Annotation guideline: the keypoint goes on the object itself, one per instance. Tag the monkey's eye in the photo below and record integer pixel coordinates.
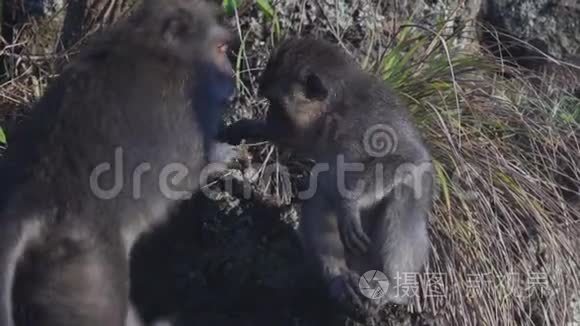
(220, 39)
(222, 48)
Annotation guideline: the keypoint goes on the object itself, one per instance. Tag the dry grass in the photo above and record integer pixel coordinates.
(507, 152)
(504, 234)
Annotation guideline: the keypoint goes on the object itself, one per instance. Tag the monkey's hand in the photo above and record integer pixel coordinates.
(353, 236)
(224, 153)
(345, 292)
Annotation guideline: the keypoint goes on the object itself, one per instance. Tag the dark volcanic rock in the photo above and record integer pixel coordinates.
(552, 24)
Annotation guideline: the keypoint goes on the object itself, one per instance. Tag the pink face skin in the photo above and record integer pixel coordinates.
(222, 59)
(221, 46)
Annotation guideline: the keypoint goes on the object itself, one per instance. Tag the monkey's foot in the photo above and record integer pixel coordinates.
(345, 292)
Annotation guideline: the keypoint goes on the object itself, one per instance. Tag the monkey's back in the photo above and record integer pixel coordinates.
(107, 101)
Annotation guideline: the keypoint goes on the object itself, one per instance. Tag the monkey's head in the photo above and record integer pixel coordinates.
(184, 30)
(304, 81)
(186, 37)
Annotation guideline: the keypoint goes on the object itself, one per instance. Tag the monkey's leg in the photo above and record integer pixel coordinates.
(322, 244)
(352, 233)
(400, 243)
(81, 282)
(133, 318)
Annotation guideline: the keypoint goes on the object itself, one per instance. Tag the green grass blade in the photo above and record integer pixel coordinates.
(2, 136)
(443, 183)
(266, 8)
(230, 6)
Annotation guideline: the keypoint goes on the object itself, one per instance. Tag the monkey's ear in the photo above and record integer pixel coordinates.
(314, 88)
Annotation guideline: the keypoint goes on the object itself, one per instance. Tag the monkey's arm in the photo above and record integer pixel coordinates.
(254, 130)
(344, 187)
(352, 233)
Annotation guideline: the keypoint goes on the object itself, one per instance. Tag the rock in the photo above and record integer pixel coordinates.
(555, 24)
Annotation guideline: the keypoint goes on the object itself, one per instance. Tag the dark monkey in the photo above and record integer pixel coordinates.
(134, 114)
(374, 216)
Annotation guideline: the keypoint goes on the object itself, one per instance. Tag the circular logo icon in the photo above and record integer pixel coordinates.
(380, 140)
(373, 284)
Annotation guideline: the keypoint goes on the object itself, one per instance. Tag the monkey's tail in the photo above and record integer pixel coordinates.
(14, 239)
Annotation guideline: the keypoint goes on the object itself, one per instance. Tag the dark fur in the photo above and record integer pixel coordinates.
(322, 104)
(150, 87)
